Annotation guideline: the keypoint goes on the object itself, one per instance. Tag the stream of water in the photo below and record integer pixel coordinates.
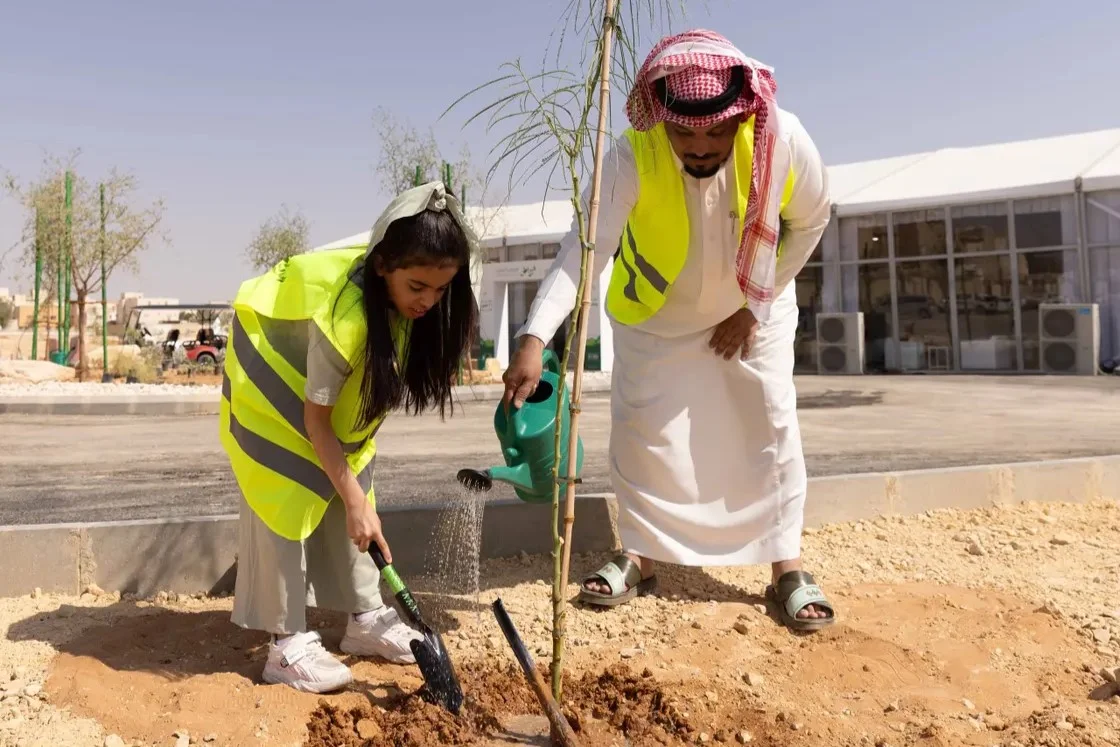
(453, 557)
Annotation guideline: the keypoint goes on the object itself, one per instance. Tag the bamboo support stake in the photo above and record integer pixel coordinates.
(584, 294)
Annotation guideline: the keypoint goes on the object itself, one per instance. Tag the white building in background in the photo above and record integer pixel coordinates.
(948, 255)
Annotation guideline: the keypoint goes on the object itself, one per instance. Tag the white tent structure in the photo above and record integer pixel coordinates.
(947, 253)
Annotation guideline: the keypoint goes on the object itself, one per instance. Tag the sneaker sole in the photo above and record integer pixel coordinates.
(304, 687)
(348, 646)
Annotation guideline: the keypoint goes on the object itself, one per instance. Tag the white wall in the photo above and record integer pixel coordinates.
(494, 318)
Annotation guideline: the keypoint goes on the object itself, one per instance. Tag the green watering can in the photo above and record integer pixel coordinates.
(527, 436)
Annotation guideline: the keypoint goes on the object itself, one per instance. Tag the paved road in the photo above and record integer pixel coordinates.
(63, 469)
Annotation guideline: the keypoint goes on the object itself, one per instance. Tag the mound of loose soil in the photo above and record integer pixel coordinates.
(602, 708)
(979, 628)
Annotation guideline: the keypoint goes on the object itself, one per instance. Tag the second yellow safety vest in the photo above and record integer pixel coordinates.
(262, 427)
(655, 239)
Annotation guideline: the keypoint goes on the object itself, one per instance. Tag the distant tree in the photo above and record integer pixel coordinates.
(7, 311)
(404, 148)
(282, 236)
(129, 230)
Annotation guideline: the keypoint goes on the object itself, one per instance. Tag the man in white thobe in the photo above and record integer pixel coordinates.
(714, 199)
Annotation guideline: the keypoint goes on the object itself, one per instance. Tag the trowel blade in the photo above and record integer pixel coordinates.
(439, 675)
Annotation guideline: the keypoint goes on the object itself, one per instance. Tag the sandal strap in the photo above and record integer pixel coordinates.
(803, 597)
(620, 574)
(796, 590)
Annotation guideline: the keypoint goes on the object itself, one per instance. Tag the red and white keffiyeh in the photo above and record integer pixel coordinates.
(698, 65)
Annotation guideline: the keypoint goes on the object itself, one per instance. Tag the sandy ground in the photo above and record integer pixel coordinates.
(993, 627)
(68, 469)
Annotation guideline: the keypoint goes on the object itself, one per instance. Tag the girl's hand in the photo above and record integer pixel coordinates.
(363, 526)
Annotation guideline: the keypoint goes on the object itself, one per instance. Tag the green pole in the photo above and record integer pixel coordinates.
(418, 178)
(58, 293)
(69, 252)
(105, 377)
(38, 282)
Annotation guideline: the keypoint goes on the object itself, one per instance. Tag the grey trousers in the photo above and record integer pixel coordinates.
(277, 578)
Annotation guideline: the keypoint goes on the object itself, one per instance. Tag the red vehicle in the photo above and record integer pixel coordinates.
(208, 347)
(205, 350)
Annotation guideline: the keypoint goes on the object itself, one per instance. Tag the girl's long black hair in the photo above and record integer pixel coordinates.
(421, 379)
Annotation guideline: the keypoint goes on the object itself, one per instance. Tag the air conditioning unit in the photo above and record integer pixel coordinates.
(1069, 338)
(840, 343)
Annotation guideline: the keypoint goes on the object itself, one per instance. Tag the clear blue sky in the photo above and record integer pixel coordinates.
(228, 109)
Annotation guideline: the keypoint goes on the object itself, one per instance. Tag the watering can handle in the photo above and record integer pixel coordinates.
(551, 362)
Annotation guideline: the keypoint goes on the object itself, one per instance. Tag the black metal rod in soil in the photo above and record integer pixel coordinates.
(561, 729)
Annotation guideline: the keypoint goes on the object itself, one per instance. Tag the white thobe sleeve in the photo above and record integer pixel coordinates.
(556, 297)
(809, 209)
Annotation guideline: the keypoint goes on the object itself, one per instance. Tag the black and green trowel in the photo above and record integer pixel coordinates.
(431, 655)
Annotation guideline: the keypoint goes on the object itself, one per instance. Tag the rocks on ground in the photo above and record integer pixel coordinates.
(1013, 639)
(17, 373)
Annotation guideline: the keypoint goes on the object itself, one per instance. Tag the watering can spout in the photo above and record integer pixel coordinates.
(517, 476)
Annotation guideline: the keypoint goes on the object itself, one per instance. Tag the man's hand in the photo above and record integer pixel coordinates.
(363, 526)
(524, 371)
(735, 334)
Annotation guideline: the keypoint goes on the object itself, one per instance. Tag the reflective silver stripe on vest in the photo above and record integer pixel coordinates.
(289, 339)
(294, 467)
(649, 272)
(273, 387)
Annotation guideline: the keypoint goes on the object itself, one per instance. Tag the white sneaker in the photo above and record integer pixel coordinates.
(303, 663)
(384, 635)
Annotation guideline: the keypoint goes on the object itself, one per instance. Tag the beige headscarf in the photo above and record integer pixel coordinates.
(431, 196)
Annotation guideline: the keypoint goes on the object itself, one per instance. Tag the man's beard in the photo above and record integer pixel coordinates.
(702, 173)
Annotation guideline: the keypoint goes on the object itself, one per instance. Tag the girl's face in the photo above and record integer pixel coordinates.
(415, 290)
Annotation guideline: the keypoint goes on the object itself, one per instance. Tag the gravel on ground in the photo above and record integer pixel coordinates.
(990, 627)
(97, 389)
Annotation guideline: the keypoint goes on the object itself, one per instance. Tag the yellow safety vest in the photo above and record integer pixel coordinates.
(654, 243)
(262, 428)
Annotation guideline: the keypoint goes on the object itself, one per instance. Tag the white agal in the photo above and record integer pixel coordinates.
(384, 635)
(302, 663)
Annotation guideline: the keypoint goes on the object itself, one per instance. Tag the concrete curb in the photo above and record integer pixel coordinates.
(198, 554)
(194, 403)
(187, 403)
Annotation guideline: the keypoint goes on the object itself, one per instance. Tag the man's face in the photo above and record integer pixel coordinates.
(703, 150)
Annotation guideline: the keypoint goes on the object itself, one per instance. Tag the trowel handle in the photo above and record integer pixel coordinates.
(396, 585)
(378, 557)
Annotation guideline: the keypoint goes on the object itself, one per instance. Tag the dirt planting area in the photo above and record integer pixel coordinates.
(992, 627)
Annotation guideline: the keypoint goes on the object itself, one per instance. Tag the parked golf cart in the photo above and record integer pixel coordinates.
(206, 349)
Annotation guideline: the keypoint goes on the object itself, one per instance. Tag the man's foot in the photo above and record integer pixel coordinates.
(301, 662)
(623, 578)
(801, 603)
(380, 633)
(810, 612)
